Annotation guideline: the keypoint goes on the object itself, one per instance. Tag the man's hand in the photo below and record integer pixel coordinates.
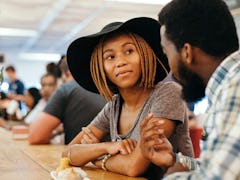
(153, 143)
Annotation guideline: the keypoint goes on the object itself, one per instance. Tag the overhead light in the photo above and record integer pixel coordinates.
(162, 2)
(40, 57)
(17, 32)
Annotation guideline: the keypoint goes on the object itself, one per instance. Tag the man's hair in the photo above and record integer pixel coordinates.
(148, 66)
(206, 24)
(63, 64)
(47, 75)
(54, 69)
(10, 68)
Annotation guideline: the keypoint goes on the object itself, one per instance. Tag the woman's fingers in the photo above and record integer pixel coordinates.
(88, 136)
(127, 146)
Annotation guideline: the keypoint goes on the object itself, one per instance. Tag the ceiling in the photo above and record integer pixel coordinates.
(52, 24)
(55, 23)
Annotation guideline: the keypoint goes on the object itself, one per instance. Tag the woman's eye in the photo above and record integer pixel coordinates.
(129, 51)
(109, 57)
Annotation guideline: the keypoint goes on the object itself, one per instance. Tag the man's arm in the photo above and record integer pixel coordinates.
(40, 131)
(220, 162)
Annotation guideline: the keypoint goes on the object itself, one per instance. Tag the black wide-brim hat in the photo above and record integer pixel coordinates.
(79, 52)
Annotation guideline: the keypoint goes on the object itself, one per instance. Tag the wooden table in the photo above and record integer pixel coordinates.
(19, 160)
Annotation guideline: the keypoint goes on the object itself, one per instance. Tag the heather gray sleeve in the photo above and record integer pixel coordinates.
(168, 102)
(102, 120)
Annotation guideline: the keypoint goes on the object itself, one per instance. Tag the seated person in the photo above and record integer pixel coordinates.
(200, 40)
(10, 113)
(48, 87)
(16, 86)
(71, 105)
(126, 67)
(31, 98)
(4, 101)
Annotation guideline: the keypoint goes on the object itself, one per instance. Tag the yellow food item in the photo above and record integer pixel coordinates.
(64, 163)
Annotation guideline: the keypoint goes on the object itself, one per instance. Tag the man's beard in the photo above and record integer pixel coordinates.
(193, 86)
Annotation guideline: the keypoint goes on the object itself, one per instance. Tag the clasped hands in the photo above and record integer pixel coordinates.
(154, 146)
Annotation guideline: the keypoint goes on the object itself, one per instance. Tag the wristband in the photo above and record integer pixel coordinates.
(180, 158)
(186, 161)
(104, 160)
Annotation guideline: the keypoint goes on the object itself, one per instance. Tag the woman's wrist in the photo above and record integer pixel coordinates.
(107, 146)
(104, 161)
(69, 155)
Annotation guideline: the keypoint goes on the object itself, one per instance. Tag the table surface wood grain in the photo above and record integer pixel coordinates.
(19, 160)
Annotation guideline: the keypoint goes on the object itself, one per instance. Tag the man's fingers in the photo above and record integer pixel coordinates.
(152, 123)
(152, 133)
(145, 121)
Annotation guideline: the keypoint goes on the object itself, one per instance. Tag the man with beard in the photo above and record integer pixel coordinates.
(200, 40)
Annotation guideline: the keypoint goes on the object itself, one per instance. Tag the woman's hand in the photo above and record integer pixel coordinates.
(125, 146)
(88, 136)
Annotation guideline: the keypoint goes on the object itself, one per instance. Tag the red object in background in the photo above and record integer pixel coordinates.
(196, 135)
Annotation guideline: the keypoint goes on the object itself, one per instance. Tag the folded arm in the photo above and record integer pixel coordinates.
(135, 164)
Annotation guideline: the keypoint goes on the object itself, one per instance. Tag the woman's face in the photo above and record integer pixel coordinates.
(121, 61)
(28, 99)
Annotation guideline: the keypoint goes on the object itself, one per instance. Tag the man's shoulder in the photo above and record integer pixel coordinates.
(68, 86)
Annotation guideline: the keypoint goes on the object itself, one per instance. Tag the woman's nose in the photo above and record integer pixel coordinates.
(121, 61)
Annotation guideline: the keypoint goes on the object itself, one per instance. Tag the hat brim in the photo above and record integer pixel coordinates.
(79, 52)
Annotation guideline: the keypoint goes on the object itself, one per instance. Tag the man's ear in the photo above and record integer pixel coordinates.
(68, 73)
(187, 53)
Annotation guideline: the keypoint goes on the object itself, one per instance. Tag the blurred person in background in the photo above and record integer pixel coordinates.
(16, 87)
(31, 98)
(48, 87)
(70, 105)
(4, 101)
(53, 68)
(9, 111)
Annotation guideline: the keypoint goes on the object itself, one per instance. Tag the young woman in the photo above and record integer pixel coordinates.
(31, 97)
(124, 62)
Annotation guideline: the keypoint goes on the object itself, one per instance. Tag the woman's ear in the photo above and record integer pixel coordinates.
(187, 53)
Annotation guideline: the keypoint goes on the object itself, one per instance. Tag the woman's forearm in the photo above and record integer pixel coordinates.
(133, 164)
(81, 154)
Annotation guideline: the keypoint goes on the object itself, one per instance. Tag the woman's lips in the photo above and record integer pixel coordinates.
(123, 73)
